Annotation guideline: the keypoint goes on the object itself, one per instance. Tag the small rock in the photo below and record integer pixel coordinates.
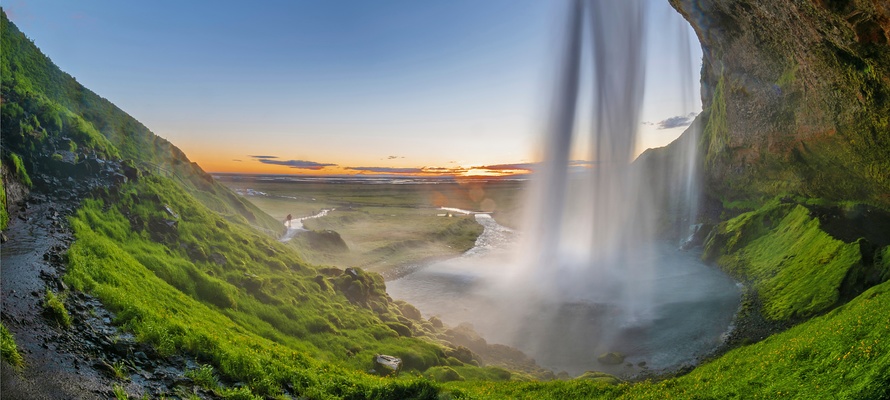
(387, 365)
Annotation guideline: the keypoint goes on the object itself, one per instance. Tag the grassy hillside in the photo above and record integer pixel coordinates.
(54, 123)
(242, 301)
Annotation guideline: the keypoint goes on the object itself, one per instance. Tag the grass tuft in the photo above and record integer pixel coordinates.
(8, 348)
(204, 377)
(54, 308)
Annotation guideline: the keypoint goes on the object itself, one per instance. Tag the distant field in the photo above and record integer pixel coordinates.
(384, 225)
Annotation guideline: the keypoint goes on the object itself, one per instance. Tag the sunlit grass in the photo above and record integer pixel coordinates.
(54, 308)
(9, 350)
(274, 327)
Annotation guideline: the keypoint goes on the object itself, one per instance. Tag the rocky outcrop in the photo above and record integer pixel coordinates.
(796, 97)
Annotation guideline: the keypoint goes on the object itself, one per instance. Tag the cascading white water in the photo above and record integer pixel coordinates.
(589, 274)
(590, 239)
(583, 240)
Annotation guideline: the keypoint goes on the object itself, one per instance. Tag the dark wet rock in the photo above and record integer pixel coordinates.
(385, 365)
(320, 280)
(461, 353)
(611, 358)
(401, 329)
(219, 258)
(130, 172)
(409, 311)
(162, 229)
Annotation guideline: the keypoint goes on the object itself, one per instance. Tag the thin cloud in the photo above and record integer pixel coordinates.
(586, 163)
(237, 160)
(387, 170)
(508, 167)
(676, 122)
(298, 164)
(264, 157)
(392, 157)
(445, 170)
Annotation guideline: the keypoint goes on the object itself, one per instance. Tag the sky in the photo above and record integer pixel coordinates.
(343, 87)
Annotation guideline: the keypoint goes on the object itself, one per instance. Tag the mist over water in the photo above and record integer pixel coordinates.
(587, 274)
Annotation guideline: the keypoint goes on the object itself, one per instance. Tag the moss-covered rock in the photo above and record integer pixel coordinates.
(598, 376)
(796, 268)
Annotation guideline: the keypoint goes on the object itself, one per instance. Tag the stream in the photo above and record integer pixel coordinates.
(296, 225)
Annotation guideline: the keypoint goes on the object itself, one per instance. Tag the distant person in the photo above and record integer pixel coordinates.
(289, 217)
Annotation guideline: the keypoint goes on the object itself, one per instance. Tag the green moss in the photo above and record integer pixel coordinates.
(19, 169)
(444, 374)
(715, 137)
(8, 349)
(788, 77)
(796, 268)
(601, 377)
(4, 215)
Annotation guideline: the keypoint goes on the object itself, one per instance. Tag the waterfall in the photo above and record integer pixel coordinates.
(590, 233)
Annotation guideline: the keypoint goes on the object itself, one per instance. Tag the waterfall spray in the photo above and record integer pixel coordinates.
(582, 233)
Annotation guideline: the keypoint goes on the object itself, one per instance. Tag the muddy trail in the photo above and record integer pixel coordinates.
(92, 356)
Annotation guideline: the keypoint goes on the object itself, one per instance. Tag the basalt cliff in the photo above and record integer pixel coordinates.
(796, 98)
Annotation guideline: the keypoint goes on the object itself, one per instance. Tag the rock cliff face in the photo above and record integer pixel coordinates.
(796, 97)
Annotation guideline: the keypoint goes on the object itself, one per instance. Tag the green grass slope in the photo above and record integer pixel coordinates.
(796, 268)
(47, 114)
(232, 296)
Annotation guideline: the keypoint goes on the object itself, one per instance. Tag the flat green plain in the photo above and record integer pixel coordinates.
(385, 225)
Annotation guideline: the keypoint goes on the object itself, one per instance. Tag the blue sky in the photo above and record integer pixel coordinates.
(399, 84)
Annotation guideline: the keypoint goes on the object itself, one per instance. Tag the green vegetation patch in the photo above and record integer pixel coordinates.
(795, 267)
(19, 169)
(8, 349)
(4, 215)
(54, 308)
(185, 280)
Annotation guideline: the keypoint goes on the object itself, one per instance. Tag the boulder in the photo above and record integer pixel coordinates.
(611, 358)
(385, 365)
